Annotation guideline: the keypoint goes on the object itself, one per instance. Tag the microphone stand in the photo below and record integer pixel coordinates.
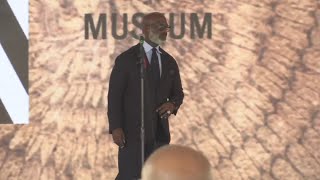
(142, 76)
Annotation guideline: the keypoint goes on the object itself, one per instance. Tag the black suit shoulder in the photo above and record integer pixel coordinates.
(127, 59)
(171, 59)
(129, 53)
(167, 54)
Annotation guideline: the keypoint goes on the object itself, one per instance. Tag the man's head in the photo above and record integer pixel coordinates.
(175, 162)
(155, 27)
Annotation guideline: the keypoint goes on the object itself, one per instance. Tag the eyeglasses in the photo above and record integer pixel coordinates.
(160, 27)
(164, 28)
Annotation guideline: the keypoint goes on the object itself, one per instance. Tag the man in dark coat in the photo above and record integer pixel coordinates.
(163, 96)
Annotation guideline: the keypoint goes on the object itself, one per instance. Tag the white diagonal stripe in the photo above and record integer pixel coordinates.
(14, 97)
(20, 9)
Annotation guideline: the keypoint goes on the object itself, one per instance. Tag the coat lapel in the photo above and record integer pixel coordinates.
(164, 65)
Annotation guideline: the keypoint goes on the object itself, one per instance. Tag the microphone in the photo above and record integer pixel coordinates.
(141, 40)
(141, 51)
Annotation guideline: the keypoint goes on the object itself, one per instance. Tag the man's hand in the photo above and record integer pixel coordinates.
(118, 137)
(166, 109)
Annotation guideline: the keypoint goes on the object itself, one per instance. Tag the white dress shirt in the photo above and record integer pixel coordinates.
(148, 50)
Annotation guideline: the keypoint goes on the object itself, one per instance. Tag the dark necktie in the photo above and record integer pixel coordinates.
(155, 67)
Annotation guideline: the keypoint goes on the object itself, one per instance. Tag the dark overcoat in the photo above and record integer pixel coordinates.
(124, 109)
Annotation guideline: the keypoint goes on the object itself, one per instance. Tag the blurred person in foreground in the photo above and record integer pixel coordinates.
(163, 97)
(174, 162)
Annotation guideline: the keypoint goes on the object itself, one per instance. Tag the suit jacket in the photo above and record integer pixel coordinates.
(124, 108)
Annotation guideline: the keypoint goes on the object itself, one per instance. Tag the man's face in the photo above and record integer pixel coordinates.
(158, 30)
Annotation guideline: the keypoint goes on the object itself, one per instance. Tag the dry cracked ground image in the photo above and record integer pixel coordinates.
(252, 97)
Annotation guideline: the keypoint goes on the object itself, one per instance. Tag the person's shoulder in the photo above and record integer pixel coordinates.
(167, 55)
(129, 53)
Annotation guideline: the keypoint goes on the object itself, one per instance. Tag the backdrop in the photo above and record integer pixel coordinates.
(251, 91)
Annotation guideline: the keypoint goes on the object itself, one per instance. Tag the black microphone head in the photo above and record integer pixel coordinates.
(141, 39)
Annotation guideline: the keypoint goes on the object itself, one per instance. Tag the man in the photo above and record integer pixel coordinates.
(175, 162)
(163, 96)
